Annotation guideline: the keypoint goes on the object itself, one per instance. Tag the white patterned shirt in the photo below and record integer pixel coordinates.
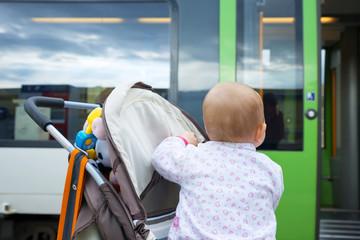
(228, 190)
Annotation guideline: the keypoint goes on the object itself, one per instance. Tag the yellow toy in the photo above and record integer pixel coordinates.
(85, 139)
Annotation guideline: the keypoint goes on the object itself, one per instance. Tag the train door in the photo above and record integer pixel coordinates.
(276, 51)
(340, 201)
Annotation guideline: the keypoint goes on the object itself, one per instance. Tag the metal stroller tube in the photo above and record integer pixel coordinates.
(32, 105)
(93, 171)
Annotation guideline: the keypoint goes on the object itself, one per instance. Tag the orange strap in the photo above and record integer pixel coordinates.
(70, 185)
(80, 191)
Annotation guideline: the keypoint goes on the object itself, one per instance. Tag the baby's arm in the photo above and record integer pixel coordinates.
(168, 158)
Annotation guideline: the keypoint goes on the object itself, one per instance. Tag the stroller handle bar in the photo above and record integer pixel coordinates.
(32, 105)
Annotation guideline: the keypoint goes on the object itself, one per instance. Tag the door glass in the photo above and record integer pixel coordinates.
(78, 51)
(270, 59)
(198, 53)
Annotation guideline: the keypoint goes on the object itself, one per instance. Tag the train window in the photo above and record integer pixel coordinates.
(270, 59)
(199, 53)
(78, 51)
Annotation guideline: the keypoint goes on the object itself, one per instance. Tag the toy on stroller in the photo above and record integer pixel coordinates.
(136, 120)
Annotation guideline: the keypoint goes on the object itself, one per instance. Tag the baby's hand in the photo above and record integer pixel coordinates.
(190, 138)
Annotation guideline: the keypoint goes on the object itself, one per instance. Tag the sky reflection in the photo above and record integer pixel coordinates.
(85, 55)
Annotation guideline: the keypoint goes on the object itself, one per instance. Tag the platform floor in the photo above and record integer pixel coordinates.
(339, 224)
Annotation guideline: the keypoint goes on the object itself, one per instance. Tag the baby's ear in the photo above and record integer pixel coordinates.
(260, 134)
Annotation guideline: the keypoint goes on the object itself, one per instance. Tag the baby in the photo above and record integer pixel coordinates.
(228, 190)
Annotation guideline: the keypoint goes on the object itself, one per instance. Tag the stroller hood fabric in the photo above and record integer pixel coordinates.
(136, 120)
(138, 126)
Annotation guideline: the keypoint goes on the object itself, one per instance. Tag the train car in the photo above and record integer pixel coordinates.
(81, 50)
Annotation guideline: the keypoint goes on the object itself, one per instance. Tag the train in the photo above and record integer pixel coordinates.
(81, 50)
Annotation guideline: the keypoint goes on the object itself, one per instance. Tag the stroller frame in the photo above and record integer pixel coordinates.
(32, 105)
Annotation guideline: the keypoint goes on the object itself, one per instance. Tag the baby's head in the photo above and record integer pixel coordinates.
(234, 112)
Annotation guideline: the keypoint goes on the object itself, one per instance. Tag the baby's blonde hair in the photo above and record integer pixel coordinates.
(232, 112)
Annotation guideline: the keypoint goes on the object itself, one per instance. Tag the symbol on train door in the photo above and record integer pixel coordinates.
(310, 96)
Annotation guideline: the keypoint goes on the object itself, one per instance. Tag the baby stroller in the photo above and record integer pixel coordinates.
(136, 120)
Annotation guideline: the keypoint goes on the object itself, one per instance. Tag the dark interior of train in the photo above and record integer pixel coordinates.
(340, 194)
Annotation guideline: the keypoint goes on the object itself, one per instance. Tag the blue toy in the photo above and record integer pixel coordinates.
(85, 141)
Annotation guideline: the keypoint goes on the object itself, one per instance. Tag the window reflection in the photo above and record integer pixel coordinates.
(79, 52)
(198, 54)
(269, 58)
